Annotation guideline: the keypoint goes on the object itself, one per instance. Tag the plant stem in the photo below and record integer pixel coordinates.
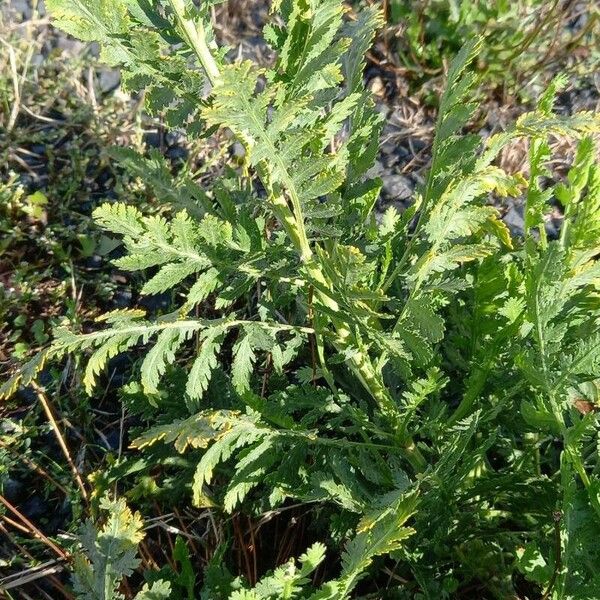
(293, 223)
(196, 37)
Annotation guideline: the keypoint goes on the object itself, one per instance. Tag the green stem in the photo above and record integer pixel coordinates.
(195, 35)
(293, 224)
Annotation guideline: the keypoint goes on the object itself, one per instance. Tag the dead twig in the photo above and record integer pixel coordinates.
(24, 553)
(33, 530)
(59, 437)
(32, 574)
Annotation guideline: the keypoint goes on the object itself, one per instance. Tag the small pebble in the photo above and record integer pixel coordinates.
(12, 490)
(397, 187)
(122, 299)
(177, 154)
(156, 303)
(514, 219)
(34, 508)
(174, 138)
(109, 80)
(152, 139)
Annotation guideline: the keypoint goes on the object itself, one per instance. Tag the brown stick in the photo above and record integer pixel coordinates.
(558, 551)
(254, 550)
(33, 530)
(14, 524)
(61, 442)
(59, 586)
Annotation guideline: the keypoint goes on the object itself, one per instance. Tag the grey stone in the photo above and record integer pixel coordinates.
(177, 153)
(397, 187)
(20, 7)
(552, 227)
(174, 138)
(377, 170)
(69, 45)
(109, 80)
(37, 60)
(389, 159)
(12, 489)
(152, 139)
(238, 150)
(382, 108)
(514, 219)
(392, 152)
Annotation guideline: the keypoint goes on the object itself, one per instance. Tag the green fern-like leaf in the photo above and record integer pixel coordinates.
(205, 363)
(108, 554)
(380, 533)
(160, 590)
(196, 432)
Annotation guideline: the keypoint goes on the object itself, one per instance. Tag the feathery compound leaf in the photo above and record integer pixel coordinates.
(243, 361)
(159, 590)
(195, 432)
(585, 231)
(455, 110)
(585, 359)
(287, 126)
(153, 241)
(290, 580)
(255, 337)
(170, 275)
(452, 216)
(361, 31)
(250, 471)
(109, 554)
(161, 355)
(206, 283)
(103, 21)
(582, 218)
(205, 363)
(379, 534)
(120, 218)
(243, 432)
(458, 254)
(27, 373)
(280, 135)
(154, 172)
(578, 175)
(116, 344)
(310, 52)
(139, 40)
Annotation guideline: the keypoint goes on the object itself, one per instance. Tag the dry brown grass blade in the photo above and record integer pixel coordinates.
(14, 524)
(42, 571)
(33, 530)
(24, 553)
(59, 437)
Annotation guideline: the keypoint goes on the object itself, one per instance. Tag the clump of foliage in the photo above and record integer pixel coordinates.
(530, 37)
(425, 380)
